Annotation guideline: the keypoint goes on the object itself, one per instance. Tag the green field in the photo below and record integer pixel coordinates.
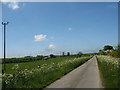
(34, 64)
(39, 74)
(109, 69)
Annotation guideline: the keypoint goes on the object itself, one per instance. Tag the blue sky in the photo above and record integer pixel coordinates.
(44, 28)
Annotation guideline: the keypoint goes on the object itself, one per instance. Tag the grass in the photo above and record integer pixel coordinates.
(29, 75)
(109, 69)
(33, 65)
(0, 74)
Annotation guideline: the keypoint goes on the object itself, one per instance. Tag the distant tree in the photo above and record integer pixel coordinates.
(63, 53)
(100, 50)
(108, 47)
(107, 50)
(79, 54)
(28, 57)
(68, 53)
(39, 56)
(52, 56)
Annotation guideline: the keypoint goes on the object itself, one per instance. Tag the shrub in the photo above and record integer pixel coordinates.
(117, 52)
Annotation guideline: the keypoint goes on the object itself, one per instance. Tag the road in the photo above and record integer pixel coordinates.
(85, 76)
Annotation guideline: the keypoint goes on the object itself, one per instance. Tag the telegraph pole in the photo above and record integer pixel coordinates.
(4, 24)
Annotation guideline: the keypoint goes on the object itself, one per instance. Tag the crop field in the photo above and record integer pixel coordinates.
(39, 74)
(109, 69)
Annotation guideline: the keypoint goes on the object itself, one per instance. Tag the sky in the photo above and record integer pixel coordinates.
(42, 28)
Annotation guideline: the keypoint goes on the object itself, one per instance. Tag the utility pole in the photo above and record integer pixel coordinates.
(4, 24)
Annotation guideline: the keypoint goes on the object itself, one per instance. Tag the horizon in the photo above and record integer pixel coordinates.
(47, 55)
(52, 27)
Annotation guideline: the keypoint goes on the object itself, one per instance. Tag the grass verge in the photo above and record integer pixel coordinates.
(41, 76)
(109, 69)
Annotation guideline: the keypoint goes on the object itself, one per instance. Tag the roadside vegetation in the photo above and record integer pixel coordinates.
(109, 69)
(35, 64)
(108, 63)
(39, 74)
(40, 71)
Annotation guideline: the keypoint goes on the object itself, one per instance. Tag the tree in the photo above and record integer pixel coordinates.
(52, 56)
(68, 53)
(39, 56)
(108, 47)
(100, 50)
(79, 54)
(63, 53)
(28, 57)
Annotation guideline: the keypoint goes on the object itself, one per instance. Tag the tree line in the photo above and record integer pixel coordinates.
(107, 50)
(41, 57)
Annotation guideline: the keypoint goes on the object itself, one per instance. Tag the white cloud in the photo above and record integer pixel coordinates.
(70, 29)
(13, 5)
(6, 1)
(51, 47)
(39, 38)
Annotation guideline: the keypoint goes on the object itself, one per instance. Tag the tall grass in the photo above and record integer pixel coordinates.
(42, 75)
(109, 68)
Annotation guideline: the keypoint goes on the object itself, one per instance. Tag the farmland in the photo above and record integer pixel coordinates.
(34, 64)
(39, 74)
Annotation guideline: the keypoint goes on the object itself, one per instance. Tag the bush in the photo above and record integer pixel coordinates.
(108, 47)
(111, 53)
(117, 52)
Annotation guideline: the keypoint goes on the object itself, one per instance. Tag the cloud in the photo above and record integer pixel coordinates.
(51, 47)
(39, 38)
(70, 29)
(13, 5)
(4, 1)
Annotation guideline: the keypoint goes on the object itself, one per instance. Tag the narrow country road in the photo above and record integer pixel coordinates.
(85, 76)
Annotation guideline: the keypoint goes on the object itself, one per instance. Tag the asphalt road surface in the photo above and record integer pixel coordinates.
(85, 76)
